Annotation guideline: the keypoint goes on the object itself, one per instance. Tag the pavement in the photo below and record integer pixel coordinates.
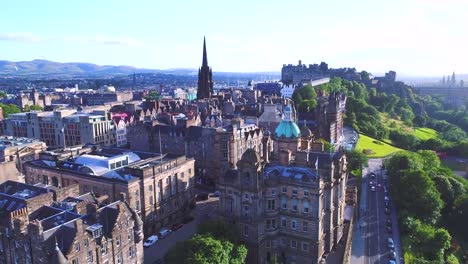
(202, 212)
(370, 235)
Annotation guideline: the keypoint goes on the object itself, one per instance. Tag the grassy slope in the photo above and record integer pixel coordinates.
(423, 133)
(380, 150)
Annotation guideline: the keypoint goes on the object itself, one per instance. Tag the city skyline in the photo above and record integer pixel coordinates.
(420, 38)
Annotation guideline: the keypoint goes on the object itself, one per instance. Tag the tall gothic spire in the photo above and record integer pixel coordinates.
(205, 57)
(205, 77)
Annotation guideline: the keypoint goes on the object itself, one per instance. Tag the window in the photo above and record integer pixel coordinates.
(130, 252)
(150, 188)
(304, 226)
(284, 190)
(273, 223)
(294, 191)
(306, 193)
(151, 200)
(294, 205)
(268, 224)
(284, 202)
(273, 191)
(293, 224)
(271, 205)
(75, 261)
(305, 207)
(246, 210)
(86, 242)
(283, 223)
(246, 230)
(89, 258)
(77, 246)
(120, 258)
(268, 244)
(293, 243)
(129, 234)
(305, 246)
(284, 242)
(246, 196)
(104, 249)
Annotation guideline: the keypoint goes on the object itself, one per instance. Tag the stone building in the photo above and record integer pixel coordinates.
(288, 205)
(40, 225)
(63, 127)
(33, 98)
(158, 187)
(214, 149)
(14, 152)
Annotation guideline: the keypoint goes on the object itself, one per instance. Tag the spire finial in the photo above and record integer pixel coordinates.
(205, 57)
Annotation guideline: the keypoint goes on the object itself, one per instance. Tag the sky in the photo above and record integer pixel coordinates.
(412, 37)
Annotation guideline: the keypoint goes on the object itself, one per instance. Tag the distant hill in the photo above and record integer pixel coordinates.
(38, 67)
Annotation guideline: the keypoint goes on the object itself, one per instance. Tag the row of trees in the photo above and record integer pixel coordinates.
(432, 204)
(216, 242)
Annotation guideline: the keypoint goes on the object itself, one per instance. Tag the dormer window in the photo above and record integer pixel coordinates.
(96, 230)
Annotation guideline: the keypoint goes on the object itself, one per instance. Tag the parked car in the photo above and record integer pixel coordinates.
(372, 188)
(201, 197)
(215, 194)
(387, 210)
(176, 226)
(385, 190)
(388, 222)
(390, 243)
(379, 187)
(150, 241)
(387, 203)
(389, 229)
(164, 232)
(391, 261)
(386, 198)
(392, 255)
(372, 175)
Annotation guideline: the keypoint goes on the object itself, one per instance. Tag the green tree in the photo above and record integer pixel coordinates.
(417, 196)
(9, 109)
(356, 159)
(202, 249)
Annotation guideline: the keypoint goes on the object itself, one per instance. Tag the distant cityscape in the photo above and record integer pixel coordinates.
(103, 164)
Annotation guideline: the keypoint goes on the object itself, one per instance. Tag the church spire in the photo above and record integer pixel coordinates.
(205, 77)
(205, 57)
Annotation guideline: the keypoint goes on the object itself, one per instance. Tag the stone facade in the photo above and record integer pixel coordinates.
(215, 150)
(38, 226)
(158, 187)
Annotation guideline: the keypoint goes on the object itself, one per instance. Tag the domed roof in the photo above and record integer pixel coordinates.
(250, 155)
(287, 127)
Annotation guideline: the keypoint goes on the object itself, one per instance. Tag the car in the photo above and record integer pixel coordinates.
(372, 188)
(188, 219)
(391, 261)
(387, 203)
(392, 255)
(164, 232)
(372, 175)
(387, 211)
(150, 241)
(176, 226)
(215, 194)
(388, 222)
(202, 197)
(386, 198)
(385, 190)
(389, 229)
(371, 183)
(390, 243)
(379, 187)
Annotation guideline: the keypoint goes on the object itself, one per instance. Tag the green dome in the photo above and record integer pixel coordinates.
(288, 129)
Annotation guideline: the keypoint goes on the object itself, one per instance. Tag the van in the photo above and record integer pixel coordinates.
(164, 232)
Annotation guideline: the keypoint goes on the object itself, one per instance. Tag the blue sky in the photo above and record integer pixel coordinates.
(414, 37)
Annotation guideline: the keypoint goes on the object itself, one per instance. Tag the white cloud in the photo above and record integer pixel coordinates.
(24, 37)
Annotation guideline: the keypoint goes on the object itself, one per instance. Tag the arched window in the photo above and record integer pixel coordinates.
(55, 182)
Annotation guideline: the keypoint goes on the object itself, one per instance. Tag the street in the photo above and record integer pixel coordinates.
(202, 212)
(370, 240)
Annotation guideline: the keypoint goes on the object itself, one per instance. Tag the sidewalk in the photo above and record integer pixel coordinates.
(358, 247)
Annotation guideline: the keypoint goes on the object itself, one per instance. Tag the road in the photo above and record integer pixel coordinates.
(203, 211)
(370, 233)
